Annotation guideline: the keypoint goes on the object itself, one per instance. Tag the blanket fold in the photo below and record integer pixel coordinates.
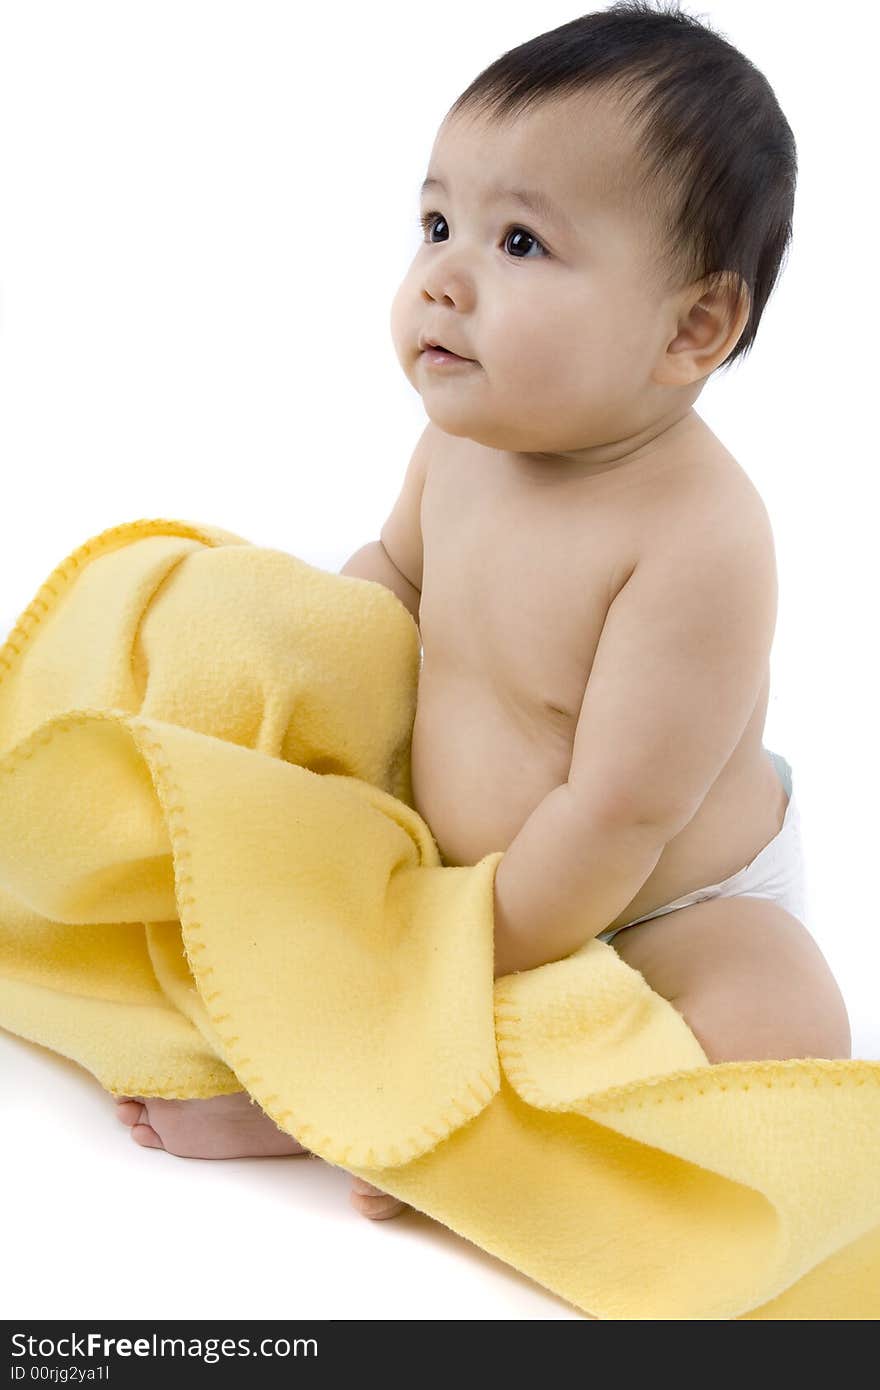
(213, 878)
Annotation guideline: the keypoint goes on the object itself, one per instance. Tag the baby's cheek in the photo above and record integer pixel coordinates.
(404, 332)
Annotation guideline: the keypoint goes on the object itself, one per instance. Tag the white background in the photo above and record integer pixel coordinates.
(205, 211)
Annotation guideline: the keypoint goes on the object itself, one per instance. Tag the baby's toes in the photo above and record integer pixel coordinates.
(146, 1136)
(133, 1112)
(129, 1110)
(372, 1202)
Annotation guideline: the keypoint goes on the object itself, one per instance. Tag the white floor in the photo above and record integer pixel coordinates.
(101, 1227)
(96, 1226)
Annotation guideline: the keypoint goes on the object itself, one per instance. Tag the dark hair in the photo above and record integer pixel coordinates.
(717, 157)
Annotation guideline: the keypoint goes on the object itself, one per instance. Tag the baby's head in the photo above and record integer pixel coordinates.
(665, 173)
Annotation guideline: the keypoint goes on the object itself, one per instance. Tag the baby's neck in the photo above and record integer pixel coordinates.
(662, 440)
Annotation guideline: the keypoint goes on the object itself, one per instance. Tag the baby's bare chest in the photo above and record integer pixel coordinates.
(517, 582)
(516, 587)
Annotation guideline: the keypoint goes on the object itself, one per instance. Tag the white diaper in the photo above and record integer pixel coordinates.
(777, 872)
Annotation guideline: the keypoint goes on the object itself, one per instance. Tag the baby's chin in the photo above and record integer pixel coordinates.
(451, 416)
(462, 425)
(456, 419)
(458, 409)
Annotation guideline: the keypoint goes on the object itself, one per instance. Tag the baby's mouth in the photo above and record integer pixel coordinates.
(438, 351)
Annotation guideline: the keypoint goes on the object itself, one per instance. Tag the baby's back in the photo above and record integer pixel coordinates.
(519, 571)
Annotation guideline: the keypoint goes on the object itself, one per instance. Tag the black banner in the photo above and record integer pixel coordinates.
(123, 1354)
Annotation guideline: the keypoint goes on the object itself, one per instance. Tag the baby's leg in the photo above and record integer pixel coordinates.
(747, 976)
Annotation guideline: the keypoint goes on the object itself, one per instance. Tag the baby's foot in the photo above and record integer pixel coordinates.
(231, 1126)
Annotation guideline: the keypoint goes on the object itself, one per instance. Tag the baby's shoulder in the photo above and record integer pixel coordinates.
(712, 499)
(713, 523)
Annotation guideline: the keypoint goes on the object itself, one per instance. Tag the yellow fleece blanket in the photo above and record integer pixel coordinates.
(212, 878)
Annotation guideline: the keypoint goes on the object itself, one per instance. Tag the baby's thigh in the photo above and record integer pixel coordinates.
(747, 977)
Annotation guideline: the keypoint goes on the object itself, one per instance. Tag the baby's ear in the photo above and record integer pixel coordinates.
(711, 318)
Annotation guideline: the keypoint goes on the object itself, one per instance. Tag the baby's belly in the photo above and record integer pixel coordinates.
(479, 769)
(480, 766)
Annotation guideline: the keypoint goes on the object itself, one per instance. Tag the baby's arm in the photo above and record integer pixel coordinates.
(680, 662)
(395, 560)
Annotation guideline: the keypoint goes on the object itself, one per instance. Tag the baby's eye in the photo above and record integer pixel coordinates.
(429, 220)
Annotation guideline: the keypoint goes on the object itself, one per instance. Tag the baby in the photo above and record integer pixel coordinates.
(592, 571)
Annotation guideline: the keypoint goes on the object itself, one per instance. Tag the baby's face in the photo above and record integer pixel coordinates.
(564, 313)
